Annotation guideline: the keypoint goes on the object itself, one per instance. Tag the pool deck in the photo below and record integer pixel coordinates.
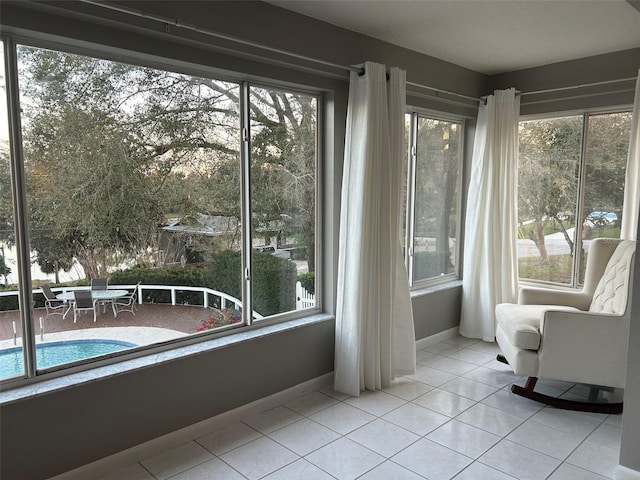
(153, 323)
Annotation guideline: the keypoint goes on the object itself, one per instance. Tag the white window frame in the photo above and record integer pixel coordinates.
(585, 114)
(412, 156)
(245, 82)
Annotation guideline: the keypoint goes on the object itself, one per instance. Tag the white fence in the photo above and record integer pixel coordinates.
(225, 300)
(304, 299)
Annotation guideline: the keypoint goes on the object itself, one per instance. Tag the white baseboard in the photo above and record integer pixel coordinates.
(625, 473)
(437, 338)
(171, 440)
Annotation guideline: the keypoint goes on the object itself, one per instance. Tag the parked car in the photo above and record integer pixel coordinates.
(601, 219)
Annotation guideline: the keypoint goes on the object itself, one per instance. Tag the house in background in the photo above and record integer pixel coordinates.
(181, 236)
(51, 427)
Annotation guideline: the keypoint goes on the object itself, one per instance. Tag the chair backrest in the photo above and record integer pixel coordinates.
(83, 298)
(612, 294)
(47, 292)
(99, 284)
(135, 290)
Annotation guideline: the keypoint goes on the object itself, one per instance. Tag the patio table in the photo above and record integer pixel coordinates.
(96, 296)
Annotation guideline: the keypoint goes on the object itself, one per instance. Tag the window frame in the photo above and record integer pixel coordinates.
(409, 222)
(585, 114)
(245, 82)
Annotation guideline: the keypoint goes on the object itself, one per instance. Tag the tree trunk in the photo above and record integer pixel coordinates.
(537, 235)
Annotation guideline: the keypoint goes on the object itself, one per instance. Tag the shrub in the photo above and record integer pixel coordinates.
(228, 316)
(274, 284)
(431, 264)
(274, 280)
(308, 281)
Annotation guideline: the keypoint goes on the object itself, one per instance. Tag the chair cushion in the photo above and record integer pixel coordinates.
(521, 323)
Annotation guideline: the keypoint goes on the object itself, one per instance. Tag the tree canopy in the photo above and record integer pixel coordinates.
(113, 150)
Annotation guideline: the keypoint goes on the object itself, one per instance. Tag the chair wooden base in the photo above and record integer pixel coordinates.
(594, 407)
(591, 406)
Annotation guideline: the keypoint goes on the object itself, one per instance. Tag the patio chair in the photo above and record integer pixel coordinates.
(83, 301)
(51, 303)
(101, 284)
(128, 302)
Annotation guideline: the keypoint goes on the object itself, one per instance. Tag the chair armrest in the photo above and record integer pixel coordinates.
(547, 296)
(584, 347)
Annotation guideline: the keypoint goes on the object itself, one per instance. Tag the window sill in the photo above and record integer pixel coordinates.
(71, 380)
(428, 290)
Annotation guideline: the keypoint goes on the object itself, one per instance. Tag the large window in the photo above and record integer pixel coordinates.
(433, 197)
(570, 190)
(195, 197)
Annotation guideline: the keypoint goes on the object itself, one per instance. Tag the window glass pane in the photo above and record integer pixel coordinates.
(607, 148)
(133, 175)
(548, 169)
(11, 354)
(436, 198)
(283, 200)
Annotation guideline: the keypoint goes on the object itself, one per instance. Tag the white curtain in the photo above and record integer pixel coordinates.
(375, 338)
(490, 268)
(631, 205)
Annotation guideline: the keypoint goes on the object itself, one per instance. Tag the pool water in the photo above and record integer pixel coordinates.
(58, 353)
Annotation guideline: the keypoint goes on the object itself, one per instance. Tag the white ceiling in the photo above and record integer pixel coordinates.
(488, 36)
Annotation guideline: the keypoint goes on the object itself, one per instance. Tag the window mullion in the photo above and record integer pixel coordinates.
(245, 158)
(20, 208)
(411, 194)
(582, 173)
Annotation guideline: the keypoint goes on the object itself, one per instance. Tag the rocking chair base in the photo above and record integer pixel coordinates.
(593, 407)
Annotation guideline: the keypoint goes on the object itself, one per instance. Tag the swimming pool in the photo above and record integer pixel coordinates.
(57, 353)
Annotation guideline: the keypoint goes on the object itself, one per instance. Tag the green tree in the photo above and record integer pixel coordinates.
(113, 150)
(547, 175)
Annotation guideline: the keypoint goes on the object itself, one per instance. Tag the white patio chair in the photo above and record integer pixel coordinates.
(51, 303)
(128, 302)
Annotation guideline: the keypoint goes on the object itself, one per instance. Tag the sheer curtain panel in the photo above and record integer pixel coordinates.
(490, 269)
(375, 338)
(631, 206)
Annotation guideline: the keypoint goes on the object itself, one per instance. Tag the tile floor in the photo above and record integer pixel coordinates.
(454, 419)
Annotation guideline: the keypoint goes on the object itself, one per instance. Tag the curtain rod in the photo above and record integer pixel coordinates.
(584, 85)
(176, 22)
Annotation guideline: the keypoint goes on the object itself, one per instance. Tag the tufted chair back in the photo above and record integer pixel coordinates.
(611, 293)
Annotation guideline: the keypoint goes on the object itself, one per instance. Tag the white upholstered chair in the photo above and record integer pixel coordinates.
(575, 336)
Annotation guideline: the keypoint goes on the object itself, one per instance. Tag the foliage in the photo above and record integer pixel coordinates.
(308, 281)
(274, 284)
(4, 268)
(227, 316)
(8, 303)
(431, 264)
(113, 150)
(438, 148)
(273, 281)
(550, 152)
(6, 204)
(547, 167)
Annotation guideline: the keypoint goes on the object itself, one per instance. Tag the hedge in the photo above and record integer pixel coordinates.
(274, 281)
(430, 264)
